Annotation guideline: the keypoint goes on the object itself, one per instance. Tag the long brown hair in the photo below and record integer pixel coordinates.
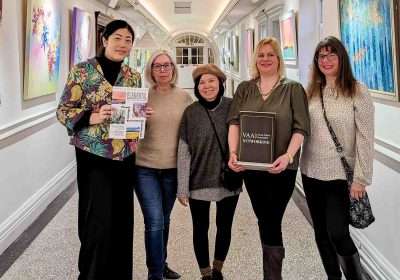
(345, 80)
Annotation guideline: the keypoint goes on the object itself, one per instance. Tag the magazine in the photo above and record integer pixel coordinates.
(128, 118)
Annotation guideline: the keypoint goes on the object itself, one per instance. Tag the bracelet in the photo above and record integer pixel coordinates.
(290, 157)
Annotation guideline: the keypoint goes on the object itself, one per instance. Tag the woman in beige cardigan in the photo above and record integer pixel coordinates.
(350, 112)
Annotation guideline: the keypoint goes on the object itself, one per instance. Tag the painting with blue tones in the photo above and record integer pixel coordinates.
(366, 31)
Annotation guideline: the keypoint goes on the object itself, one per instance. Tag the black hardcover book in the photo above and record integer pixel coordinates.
(257, 139)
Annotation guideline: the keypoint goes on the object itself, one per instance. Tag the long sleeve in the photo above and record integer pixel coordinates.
(183, 166)
(301, 116)
(234, 111)
(364, 142)
(70, 109)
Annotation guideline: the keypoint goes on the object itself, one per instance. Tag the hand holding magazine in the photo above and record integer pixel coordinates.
(128, 118)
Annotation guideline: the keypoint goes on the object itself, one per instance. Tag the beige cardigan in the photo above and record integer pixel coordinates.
(352, 119)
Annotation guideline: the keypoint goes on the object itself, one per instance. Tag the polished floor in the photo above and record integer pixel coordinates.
(53, 254)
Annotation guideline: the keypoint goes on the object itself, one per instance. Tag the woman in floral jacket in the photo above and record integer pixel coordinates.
(105, 167)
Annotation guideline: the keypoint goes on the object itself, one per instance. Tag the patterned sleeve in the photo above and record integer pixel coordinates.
(183, 164)
(70, 109)
(364, 120)
(234, 111)
(299, 104)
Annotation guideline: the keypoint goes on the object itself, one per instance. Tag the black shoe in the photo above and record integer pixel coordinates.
(351, 267)
(217, 275)
(169, 273)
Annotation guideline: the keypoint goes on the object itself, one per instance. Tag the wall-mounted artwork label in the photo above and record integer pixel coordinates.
(366, 29)
(42, 51)
(82, 46)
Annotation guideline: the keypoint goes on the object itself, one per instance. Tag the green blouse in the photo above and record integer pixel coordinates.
(288, 100)
(87, 90)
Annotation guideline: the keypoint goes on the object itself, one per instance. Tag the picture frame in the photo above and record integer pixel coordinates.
(235, 53)
(288, 34)
(249, 48)
(372, 44)
(42, 48)
(81, 36)
(1, 9)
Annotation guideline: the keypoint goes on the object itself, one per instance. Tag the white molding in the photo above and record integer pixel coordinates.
(374, 263)
(18, 126)
(377, 266)
(28, 212)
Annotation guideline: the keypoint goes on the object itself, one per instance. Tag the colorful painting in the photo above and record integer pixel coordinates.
(287, 24)
(42, 53)
(366, 30)
(81, 41)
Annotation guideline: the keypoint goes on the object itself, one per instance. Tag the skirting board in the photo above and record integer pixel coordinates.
(21, 219)
(373, 262)
(376, 265)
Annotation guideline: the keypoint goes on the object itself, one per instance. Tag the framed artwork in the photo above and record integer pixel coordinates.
(249, 44)
(42, 51)
(1, 9)
(235, 52)
(101, 20)
(81, 40)
(287, 26)
(368, 32)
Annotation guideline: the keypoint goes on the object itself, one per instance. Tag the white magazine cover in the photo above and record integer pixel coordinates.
(128, 118)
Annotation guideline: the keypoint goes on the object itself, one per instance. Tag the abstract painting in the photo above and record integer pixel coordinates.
(42, 52)
(82, 32)
(366, 29)
(287, 24)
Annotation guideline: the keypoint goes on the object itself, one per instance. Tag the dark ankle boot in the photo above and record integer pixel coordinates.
(169, 273)
(351, 266)
(217, 275)
(272, 262)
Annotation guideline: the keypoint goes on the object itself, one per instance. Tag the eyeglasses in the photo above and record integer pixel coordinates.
(157, 67)
(330, 57)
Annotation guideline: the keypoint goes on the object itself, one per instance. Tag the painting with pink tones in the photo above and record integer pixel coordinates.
(287, 25)
(81, 40)
(42, 51)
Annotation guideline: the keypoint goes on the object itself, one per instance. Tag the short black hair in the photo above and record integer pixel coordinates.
(114, 25)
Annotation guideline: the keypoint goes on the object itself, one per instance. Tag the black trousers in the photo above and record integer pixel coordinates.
(269, 195)
(200, 210)
(328, 202)
(105, 216)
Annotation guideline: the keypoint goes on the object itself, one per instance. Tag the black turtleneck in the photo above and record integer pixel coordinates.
(110, 68)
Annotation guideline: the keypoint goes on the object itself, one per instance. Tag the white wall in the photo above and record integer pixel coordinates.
(36, 162)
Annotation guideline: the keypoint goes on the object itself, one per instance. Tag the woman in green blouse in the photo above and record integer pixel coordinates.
(270, 190)
(105, 167)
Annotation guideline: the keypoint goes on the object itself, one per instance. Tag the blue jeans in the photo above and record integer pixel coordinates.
(156, 192)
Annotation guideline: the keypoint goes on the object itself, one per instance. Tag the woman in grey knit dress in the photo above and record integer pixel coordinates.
(199, 168)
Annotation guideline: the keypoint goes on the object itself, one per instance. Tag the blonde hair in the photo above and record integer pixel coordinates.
(148, 74)
(254, 72)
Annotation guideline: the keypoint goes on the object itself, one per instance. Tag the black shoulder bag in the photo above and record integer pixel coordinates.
(230, 179)
(360, 212)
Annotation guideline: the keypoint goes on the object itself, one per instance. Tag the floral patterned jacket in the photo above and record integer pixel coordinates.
(87, 90)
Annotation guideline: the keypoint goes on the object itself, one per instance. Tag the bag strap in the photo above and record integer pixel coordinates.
(339, 148)
(216, 135)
